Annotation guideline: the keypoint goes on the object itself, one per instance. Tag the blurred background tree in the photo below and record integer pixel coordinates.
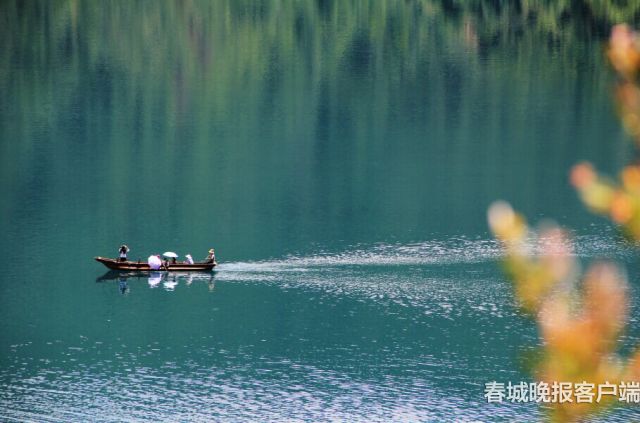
(580, 324)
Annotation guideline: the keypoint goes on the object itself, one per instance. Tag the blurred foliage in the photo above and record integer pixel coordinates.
(619, 199)
(580, 325)
(534, 278)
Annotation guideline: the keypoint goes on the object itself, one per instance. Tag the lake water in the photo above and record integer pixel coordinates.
(340, 157)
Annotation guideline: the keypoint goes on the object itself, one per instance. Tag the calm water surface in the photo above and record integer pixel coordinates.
(340, 157)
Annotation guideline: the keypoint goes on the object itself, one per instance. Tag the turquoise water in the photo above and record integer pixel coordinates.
(340, 157)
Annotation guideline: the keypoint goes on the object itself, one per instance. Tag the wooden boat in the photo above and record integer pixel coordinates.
(142, 266)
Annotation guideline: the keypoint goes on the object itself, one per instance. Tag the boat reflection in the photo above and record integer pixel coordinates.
(123, 286)
(168, 280)
(154, 279)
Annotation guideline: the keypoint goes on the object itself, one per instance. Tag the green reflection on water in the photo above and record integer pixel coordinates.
(293, 123)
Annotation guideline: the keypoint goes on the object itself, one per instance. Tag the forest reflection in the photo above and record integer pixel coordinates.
(353, 101)
(230, 43)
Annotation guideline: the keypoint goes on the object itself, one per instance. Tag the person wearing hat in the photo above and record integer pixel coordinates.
(123, 252)
(211, 258)
(165, 262)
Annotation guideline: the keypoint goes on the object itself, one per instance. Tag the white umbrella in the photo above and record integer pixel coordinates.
(154, 262)
(170, 254)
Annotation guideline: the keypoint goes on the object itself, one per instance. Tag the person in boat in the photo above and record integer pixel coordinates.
(122, 253)
(211, 258)
(173, 260)
(189, 259)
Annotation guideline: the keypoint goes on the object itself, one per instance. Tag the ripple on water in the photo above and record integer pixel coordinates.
(443, 288)
(288, 391)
